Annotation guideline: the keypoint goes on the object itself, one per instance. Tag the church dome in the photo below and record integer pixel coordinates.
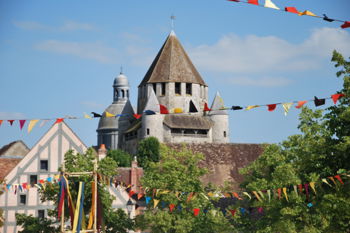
(121, 80)
(116, 109)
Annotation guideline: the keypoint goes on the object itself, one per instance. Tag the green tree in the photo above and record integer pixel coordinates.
(321, 150)
(114, 220)
(148, 151)
(121, 157)
(175, 177)
(32, 224)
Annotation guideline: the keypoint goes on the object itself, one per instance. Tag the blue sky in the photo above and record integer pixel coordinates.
(60, 58)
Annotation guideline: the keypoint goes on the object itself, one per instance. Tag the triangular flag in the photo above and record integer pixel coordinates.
(279, 193)
(196, 211)
(257, 196)
(338, 178)
(206, 108)
(346, 24)
(312, 185)
(31, 124)
(271, 107)
(270, 4)
(21, 123)
(325, 181)
(269, 194)
(295, 189)
(163, 109)
(137, 116)
(178, 110)
(332, 179)
(286, 107)
(233, 0)
(335, 97)
(309, 13)
(319, 102)
(261, 195)
(190, 196)
(43, 122)
(139, 196)
(327, 19)
(233, 212)
(11, 121)
(255, 2)
(1, 122)
(171, 207)
(95, 115)
(285, 193)
(192, 107)
(236, 108)
(150, 112)
(301, 103)
(58, 120)
(155, 203)
(291, 10)
(260, 210)
(247, 194)
(251, 107)
(236, 196)
(87, 116)
(131, 193)
(108, 114)
(148, 199)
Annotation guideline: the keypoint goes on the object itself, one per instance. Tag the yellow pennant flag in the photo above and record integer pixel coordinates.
(155, 203)
(31, 125)
(87, 116)
(108, 114)
(286, 107)
(261, 194)
(285, 193)
(178, 110)
(309, 13)
(312, 185)
(251, 107)
(325, 181)
(256, 195)
(269, 194)
(247, 194)
(270, 4)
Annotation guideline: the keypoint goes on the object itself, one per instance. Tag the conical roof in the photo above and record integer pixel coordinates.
(217, 105)
(172, 64)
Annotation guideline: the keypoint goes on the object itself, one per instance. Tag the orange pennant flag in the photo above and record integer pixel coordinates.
(139, 196)
(338, 178)
(256, 195)
(236, 196)
(335, 97)
(332, 179)
(301, 103)
(1, 121)
(131, 193)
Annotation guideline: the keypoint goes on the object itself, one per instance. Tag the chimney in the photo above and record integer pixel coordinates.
(102, 152)
(133, 174)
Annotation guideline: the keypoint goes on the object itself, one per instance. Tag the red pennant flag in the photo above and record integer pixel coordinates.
(291, 10)
(24, 185)
(131, 193)
(345, 25)
(1, 122)
(236, 196)
(255, 2)
(260, 210)
(271, 107)
(21, 123)
(306, 186)
(233, 212)
(206, 108)
(335, 97)
(139, 196)
(301, 103)
(163, 109)
(338, 178)
(196, 211)
(137, 116)
(279, 193)
(41, 181)
(300, 186)
(59, 120)
(171, 207)
(11, 121)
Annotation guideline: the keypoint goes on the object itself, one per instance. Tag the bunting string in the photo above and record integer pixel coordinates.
(270, 4)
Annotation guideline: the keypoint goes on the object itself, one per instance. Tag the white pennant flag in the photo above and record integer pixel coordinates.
(270, 4)
(286, 107)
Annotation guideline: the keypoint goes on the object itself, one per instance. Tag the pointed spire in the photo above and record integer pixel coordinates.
(217, 104)
(152, 102)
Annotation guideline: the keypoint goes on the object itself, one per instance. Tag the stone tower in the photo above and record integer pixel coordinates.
(110, 129)
(219, 117)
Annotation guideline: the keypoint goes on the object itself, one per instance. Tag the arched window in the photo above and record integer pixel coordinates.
(123, 93)
(116, 93)
(127, 93)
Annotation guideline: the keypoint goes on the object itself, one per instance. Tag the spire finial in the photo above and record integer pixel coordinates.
(121, 69)
(172, 17)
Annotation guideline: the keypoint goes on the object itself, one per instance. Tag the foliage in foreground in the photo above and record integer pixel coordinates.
(122, 158)
(176, 176)
(321, 150)
(148, 151)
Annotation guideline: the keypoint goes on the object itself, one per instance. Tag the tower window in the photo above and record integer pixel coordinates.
(147, 131)
(116, 93)
(44, 165)
(127, 93)
(154, 88)
(225, 134)
(33, 179)
(178, 88)
(189, 88)
(41, 214)
(123, 93)
(163, 88)
(22, 199)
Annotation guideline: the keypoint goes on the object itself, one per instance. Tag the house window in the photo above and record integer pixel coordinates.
(44, 165)
(33, 179)
(22, 199)
(189, 88)
(178, 88)
(147, 131)
(154, 88)
(225, 134)
(163, 88)
(41, 214)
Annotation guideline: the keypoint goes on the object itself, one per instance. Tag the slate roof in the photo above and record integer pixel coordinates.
(172, 64)
(187, 122)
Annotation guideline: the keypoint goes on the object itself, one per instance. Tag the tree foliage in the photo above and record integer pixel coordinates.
(321, 150)
(178, 174)
(148, 151)
(33, 224)
(121, 157)
(114, 220)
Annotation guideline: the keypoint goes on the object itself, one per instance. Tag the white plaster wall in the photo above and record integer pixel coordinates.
(154, 123)
(221, 124)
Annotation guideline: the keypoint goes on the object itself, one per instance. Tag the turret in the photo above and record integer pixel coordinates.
(219, 117)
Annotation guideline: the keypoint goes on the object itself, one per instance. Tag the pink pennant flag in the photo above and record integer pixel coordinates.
(21, 123)
(11, 121)
(335, 97)
(196, 211)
